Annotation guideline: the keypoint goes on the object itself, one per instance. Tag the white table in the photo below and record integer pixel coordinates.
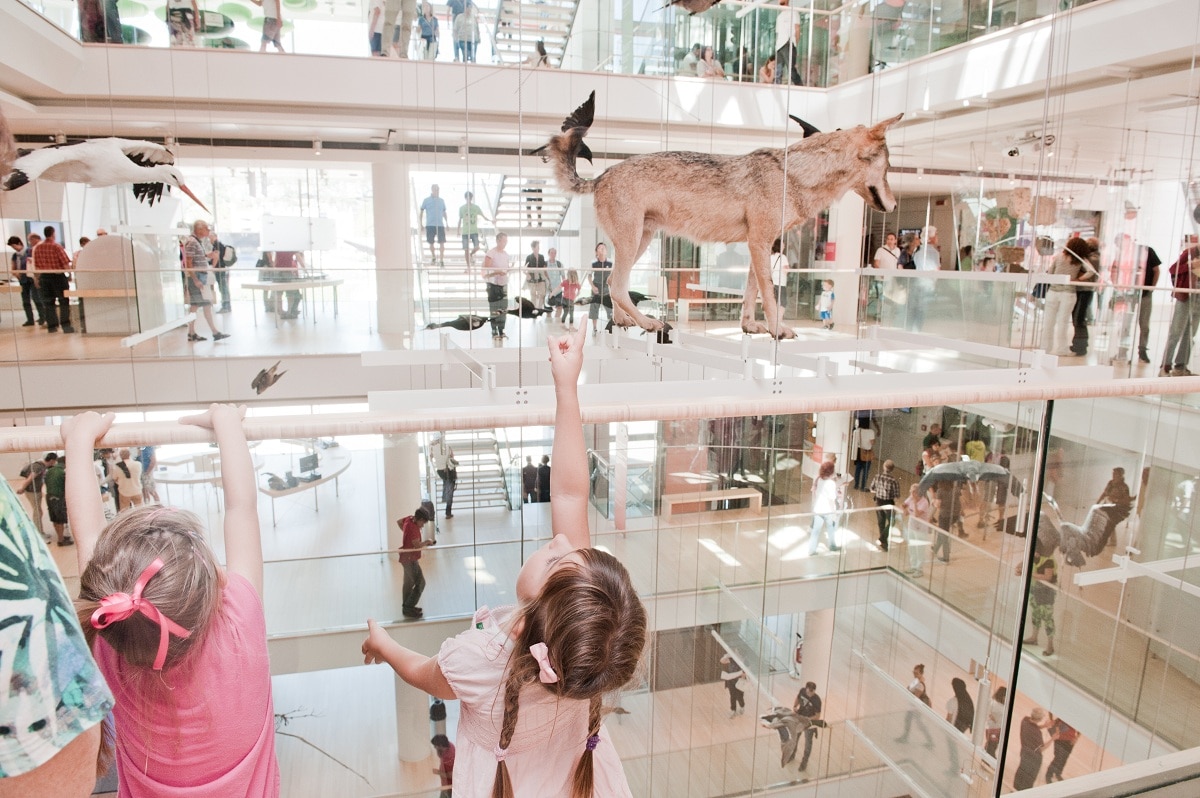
(333, 463)
(306, 285)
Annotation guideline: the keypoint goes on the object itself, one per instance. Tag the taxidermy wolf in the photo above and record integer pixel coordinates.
(721, 198)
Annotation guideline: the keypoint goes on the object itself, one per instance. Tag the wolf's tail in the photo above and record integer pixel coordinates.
(565, 148)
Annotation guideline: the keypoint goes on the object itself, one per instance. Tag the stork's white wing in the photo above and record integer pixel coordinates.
(144, 152)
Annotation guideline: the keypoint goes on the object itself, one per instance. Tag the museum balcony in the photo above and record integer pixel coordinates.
(672, 493)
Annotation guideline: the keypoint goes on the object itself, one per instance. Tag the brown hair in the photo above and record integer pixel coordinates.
(827, 469)
(594, 628)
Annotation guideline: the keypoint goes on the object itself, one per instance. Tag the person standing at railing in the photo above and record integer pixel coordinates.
(1064, 736)
(375, 20)
(272, 24)
(787, 34)
(1032, 745)
(466, 33)
(1085, 291)
(529, 477)
(30, 299)
(1185, 318)
(687, 67)
(917, 510)
(1059, 303)
(543, 479)
(51, 277)
(430, 34)
(410, 560)
(862, 447)
(182, 18)
(708, 67)
(531, 679)
(402, 30)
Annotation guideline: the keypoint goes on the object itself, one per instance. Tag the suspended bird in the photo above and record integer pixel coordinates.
(102, 162)
(693, 6)
(525, 309)
(266, 378)
(464, 322)
(963, 471)
(8, 148)
(637, 297)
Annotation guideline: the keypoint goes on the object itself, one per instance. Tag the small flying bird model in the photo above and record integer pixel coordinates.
(149, 167)
(266, 378)
(964, 471)
(693, 6)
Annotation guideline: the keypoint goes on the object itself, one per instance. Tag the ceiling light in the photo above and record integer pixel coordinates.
(316, 146)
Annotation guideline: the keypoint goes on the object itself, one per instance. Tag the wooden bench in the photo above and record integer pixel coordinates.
(669, 500)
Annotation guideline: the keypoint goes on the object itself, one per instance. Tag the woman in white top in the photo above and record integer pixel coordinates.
(1057, 326)
(707, 66)
(127, 475)
(862, 445)
(825, 508)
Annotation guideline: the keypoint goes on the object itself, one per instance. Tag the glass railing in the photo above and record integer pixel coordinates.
(833, 43)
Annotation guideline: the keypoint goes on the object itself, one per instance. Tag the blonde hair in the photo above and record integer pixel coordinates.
(594, 628)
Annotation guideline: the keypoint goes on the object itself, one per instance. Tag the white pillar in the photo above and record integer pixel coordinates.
(846, 232)
(833, 436)
(401, 483)
(394, 293)
(412, 723)
(818, 646)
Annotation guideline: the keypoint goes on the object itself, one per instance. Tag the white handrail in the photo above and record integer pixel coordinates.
(540, 411)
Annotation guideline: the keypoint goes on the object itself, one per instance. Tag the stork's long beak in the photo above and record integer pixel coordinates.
(188, 191)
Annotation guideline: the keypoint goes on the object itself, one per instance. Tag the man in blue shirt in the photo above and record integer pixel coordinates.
(434, 219)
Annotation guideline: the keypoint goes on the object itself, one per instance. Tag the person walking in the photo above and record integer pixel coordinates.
(886, 490)
(960, 711)
(34, 486)
(1033, 742)
(1185, 318)
(30, 298)
(1065, 736)
(917, 688)
(862, 447)
(731, 673)
(433, 218)
(824, 507)
(410, 560)
(51, 278)
(446, 467)
(808, 706)
(445, 754)
(496, 264)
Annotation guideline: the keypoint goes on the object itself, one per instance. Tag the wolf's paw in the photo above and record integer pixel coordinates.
(784, 332)
(754, 327)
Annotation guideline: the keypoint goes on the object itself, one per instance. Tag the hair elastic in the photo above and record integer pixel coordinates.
(119, 606)
(592, 742)
(500, 753)
(545, 672)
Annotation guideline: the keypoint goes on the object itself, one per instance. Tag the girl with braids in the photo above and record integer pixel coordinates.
(531, 678)
(181, 641)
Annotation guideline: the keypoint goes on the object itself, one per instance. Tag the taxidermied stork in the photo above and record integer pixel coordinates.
(102, 162)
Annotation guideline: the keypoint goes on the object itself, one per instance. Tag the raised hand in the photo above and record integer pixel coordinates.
(377, 643)
(566, 356)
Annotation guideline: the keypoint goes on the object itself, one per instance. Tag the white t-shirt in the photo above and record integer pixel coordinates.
(825, 496)
(496, 272)
(690, 65)
(374, 23)
(887, 258)
(862, 439)
(927, 258)
(785, 28)
(779, 265)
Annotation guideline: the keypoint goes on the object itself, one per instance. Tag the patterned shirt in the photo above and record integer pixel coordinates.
(885, 488)
(52, 691)
(48, 256)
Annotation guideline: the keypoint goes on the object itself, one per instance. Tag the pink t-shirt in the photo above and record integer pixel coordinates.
(551, 732)
(218, 738)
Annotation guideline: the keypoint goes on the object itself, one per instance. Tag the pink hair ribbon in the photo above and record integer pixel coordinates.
(541, 654)
(120, 606)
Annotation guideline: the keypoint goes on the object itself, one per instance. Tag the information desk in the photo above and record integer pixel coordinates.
(332, 464)
(194, 467)
(308, 286)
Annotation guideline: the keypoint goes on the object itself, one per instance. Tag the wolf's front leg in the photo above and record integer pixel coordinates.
(750, 324)
(625, 314)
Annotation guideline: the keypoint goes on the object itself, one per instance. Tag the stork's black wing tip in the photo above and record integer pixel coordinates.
(583, 116)
(16, 178)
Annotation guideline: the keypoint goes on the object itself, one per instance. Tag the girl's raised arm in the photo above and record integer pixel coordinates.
(243, 539)
(569, 484)
(84, 509)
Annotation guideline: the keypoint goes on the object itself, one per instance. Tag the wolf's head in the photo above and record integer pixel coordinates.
(872, 184)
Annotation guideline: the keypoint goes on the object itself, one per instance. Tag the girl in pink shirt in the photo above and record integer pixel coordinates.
(570, 289)
(531, 678)
(181, 641)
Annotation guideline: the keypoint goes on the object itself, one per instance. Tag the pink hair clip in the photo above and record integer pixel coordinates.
(541, 654)
(119, 606)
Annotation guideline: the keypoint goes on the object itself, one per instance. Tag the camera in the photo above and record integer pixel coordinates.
(1013, 152)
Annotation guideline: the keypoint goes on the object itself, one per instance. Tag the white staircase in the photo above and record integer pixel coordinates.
(519, 25)
(530, 206)
(480, 472)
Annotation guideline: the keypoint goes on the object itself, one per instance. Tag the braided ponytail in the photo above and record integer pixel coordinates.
(581, 783)
(518, 674)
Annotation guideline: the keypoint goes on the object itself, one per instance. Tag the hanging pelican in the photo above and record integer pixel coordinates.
(102, 162)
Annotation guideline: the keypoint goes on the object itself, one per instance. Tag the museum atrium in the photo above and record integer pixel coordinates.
(1026, 123)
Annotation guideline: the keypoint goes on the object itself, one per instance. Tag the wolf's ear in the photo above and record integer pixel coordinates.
(881, 128)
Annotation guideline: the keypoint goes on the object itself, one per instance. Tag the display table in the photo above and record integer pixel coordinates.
(333, 463)
(307, 286)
